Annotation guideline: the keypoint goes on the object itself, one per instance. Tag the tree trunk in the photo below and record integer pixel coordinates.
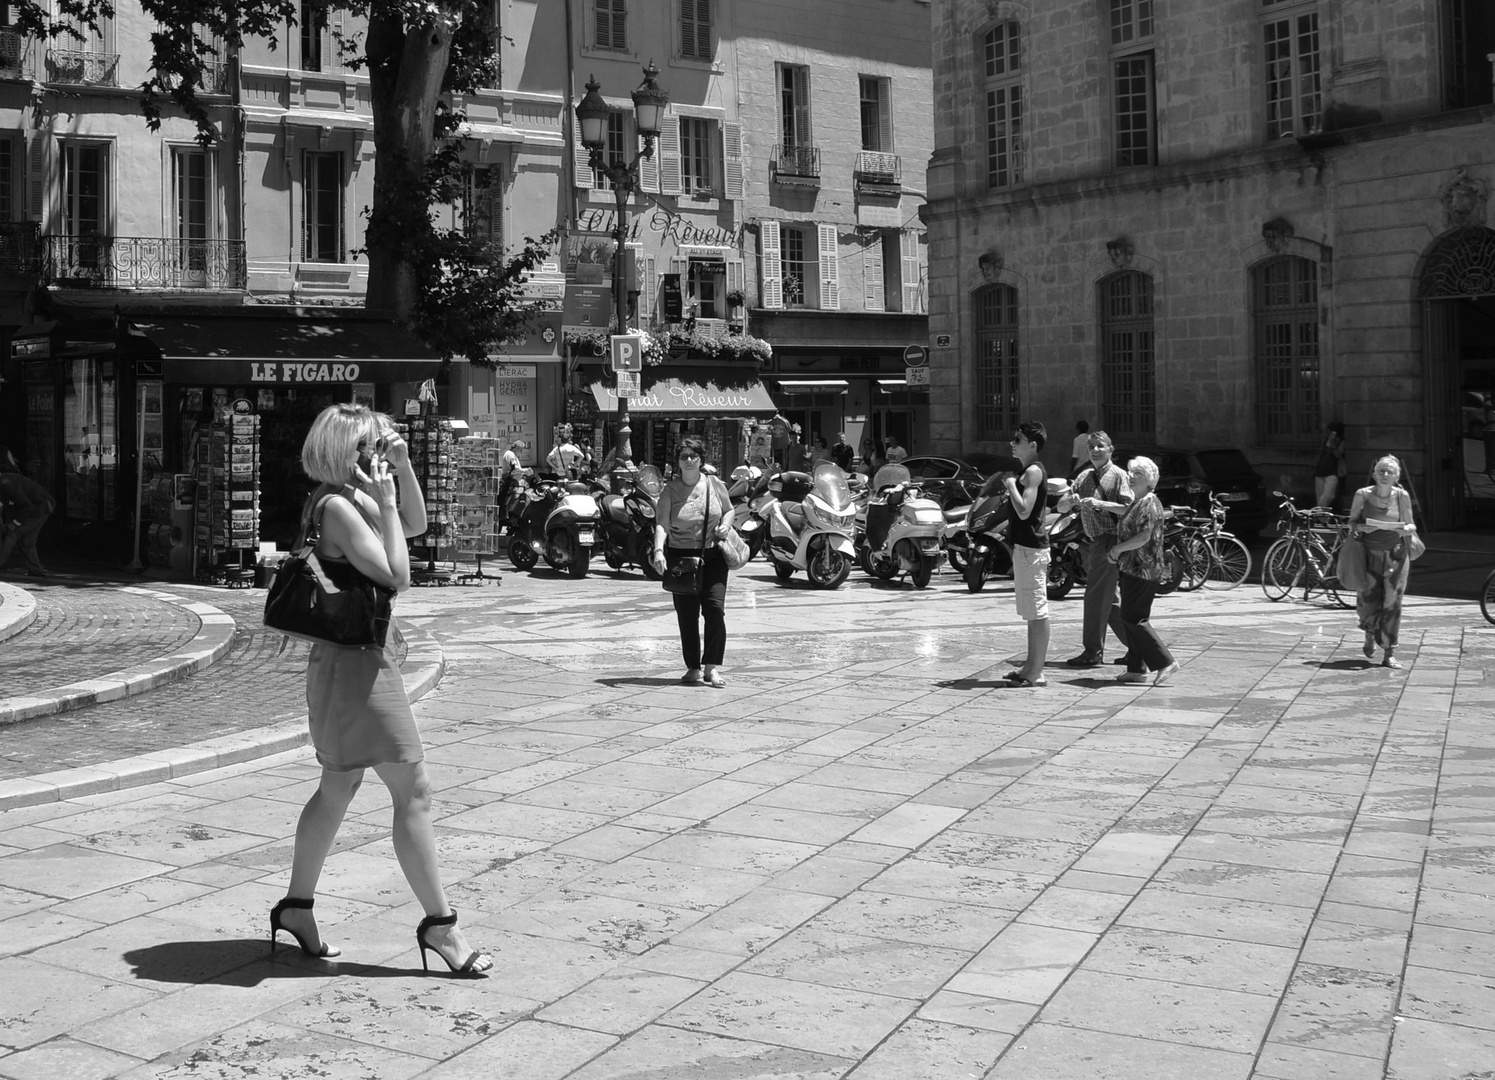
(406, 69)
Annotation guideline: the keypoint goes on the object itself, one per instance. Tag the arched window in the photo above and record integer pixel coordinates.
(1285, 301)
(996, 361)
(1002, 60)
(1128, 398)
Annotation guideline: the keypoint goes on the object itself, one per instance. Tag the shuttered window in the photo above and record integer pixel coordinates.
(695, 30)
(611, 24)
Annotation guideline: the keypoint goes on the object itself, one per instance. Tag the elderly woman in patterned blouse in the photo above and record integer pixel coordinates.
(1138, 553)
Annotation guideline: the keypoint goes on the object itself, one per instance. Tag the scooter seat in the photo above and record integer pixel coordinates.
(794, 513)
(955, 517)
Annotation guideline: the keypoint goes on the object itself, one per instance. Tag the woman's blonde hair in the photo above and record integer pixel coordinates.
(1395, 464)
(1144, 467)
(334, 439)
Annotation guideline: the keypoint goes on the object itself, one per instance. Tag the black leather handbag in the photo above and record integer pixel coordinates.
(328, 603)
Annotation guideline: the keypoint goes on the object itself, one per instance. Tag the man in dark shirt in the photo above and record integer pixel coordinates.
(1104, 493)
(842, 453)
(24, 506)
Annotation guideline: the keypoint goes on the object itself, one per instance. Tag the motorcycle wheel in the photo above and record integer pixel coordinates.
(975, 571)
(921, 574)
(882, 569)
(612, 554)
(1061, 578)
(557, 546)
(581, 562)
(827, 567)
(521, 554)
(783, 571)
(956, 552)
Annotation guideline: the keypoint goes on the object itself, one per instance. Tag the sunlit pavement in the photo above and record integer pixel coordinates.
(865, 856)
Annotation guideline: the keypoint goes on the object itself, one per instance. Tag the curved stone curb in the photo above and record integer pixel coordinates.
(214, 636)
(424, 665)
(17, 610)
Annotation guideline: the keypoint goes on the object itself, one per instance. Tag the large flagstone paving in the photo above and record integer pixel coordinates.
(866, 857)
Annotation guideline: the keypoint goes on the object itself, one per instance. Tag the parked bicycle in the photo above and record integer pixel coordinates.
(1208, 555)
(1305, 555)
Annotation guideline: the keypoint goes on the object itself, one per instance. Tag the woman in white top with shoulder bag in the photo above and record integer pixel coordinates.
(1381, 516)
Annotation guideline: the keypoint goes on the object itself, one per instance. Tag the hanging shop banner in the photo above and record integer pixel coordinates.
(673, 303)
(588, 308)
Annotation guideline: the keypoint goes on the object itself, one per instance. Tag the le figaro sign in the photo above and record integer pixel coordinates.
(277, 371)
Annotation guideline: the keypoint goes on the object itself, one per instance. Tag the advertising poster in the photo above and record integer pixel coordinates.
(512, 407)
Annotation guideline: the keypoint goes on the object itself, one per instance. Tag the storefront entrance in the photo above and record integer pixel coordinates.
(1457, 289)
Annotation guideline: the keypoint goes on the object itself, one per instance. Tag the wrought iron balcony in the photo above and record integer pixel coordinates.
(796, 162)
(83, 68)
(879, 168)
(215, 75)
(15, 54)
(145, 262)
(19, 249)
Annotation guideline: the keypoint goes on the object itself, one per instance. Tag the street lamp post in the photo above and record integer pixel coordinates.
(592, 113)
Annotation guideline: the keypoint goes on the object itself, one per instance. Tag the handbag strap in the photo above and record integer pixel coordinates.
(312, 535)
(706, 518)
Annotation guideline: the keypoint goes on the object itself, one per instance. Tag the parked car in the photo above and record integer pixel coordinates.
(949, 481)
(1186, 478)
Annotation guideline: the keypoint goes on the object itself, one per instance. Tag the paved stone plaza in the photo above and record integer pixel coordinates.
(866, 857)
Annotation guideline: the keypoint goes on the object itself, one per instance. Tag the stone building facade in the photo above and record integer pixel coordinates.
(1204, 225)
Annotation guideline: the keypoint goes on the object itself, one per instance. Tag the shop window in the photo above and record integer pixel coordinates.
(1468, 38)
(1286, 317)
(610, 23)
(1128, 398)
(1001, 58)
(323, 238)
(1290, 54)
(996, 362)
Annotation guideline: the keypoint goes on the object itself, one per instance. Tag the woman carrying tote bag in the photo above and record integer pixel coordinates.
(692, 513)
(1381, 516)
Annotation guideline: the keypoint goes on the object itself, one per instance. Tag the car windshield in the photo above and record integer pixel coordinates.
(1225, 464)
(932, 468)
(831, 488)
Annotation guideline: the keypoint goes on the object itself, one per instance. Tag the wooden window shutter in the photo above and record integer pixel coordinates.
(669, 155)
(732, 180)
(649, 302)
(612, 24)
(736, 275)
(885, 114)
(648, 167)
(830, 269)
(771, 265)
(802, 132)
(36, 176)
(910, 272)
(872, 286)
(582, 158)
(679, 264)
(332, 32)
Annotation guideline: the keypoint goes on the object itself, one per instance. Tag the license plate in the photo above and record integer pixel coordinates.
(1234, 496)
(584, 538)
(929, 544)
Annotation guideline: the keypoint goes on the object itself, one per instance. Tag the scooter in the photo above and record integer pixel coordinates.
(810, 521)
(987, 552)
(905, 531)
(628, 522)
(559, 521)
(749, 492)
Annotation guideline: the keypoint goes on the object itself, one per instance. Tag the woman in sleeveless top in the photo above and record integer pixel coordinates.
(359, 713)
(1382, 516)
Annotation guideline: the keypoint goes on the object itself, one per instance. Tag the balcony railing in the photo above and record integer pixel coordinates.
(802, 162)
(215, 74)
(878, 167)
(15, 54)
(83, 68)
(19, 248)
(145, 262)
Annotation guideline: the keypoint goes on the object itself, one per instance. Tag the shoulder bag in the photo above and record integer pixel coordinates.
(685, 578)
(734, 550)
(1415, 547)
(327, 603)
(1349, 565)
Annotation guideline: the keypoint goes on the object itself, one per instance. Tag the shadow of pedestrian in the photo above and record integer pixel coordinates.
(1356, 664)
(639, 680)
(241, 962)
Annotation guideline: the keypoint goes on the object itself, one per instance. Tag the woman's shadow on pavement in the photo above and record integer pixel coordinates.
(242, 962)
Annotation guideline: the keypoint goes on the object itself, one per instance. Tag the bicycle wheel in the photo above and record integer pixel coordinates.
(1230, 562)
(1282, 568)
(1194, 552)
(1487, 598)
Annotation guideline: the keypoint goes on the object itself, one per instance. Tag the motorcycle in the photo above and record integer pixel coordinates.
(560, 521)
(749, 492)
(904, 530)
(987, 553)
(810, 521)
(628, 522)
(1066, 544)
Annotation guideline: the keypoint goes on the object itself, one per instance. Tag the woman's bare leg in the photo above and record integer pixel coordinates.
(317, 828)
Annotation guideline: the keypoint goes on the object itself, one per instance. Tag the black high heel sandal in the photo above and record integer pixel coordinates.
(429, 921)
(276, 926)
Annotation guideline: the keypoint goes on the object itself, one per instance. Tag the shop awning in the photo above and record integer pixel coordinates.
(690, 397)
(286, 351)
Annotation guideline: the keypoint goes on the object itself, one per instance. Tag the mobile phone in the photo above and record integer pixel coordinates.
(366, 462)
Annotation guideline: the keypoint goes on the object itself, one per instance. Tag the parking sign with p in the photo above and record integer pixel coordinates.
(628, 352)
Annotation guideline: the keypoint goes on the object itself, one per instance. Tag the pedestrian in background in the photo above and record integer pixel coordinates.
(510, 468)
(871, 459)
(1330, 466)
(894, 453)
(842, 453)
(1079, 451)
(1103, 495)
(24, 508)
(796, 457)
(1138, 553)
(359, 713)
(1381, 515)
(684, 525)
(819, 452)
(1030, 549)
(565, 457)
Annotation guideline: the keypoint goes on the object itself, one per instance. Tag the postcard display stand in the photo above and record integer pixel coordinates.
(227, 524)
(477, 513)
(431, 446)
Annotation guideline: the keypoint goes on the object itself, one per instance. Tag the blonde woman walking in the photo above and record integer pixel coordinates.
(1382, 516)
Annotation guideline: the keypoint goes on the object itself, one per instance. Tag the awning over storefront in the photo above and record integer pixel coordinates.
(681, 396)
(286, 351)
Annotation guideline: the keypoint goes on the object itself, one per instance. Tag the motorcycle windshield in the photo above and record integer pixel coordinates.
(649, 481)
(831, 487)
(890, 476)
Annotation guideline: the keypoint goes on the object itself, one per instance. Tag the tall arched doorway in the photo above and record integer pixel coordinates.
(1457, 292)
